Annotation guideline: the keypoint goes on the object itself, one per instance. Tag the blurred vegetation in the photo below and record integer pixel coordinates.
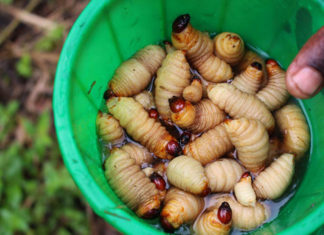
(24, 66)
(37, 194)
(51, 39)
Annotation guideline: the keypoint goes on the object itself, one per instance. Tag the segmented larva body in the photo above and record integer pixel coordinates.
(134, 74)
(251, 141)
(244, 191)
(138, 153)
(208, 116)
(130, 183)
(186, 117)
(249, 58)
(239, 104)
(200, 117)
(250, 79)
(211, 145)
(181, 207)
(275, 93)
(145, 98)
(274, 180)
(199, 51)
(194, 92)
(136, 121)
(209, 223)
(229, 47)
(245, 217)
(109, 129)
(187, 174)
(172, 78)
(293, 126)
(223, 174)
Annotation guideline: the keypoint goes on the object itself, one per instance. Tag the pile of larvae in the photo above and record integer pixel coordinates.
(228, 104)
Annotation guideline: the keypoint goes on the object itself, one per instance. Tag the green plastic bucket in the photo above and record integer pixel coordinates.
(108, 32)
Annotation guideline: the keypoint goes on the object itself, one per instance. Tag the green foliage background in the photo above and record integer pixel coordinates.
(37, 195)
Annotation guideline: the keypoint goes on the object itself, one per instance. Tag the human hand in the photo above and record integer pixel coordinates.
(305, 75)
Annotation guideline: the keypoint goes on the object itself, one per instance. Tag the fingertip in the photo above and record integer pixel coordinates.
(304, 83)
(294, 90)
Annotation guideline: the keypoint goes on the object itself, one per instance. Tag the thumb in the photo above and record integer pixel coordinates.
(305, 75)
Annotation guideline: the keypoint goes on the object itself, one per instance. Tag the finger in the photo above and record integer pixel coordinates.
(305, 83)
(305, 76)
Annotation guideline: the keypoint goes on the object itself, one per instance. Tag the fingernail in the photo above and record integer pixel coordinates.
(308, 80)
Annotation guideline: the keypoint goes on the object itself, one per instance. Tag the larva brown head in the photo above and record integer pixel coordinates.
(196, 79)
(245, 175)
(158, 181)
(108, 94)
(205, 192)
(150, 214)
(153, 113)
(224, 213)
(180, 23)
(166, 225)
(173, 148)
(271, 62)
(185, 138)
(254, 71)
(257, 65)
(176, 104)
(272, 67)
